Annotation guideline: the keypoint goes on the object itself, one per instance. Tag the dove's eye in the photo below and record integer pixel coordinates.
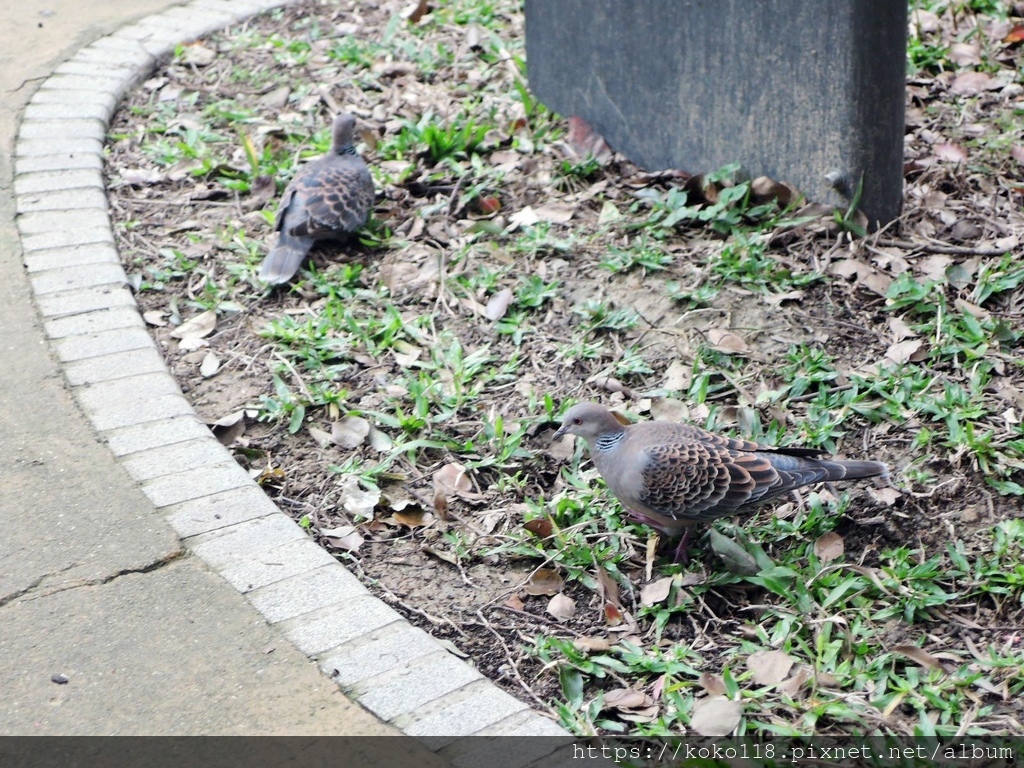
(577, 420)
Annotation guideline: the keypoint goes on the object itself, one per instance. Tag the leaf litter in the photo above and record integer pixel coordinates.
(497, 259)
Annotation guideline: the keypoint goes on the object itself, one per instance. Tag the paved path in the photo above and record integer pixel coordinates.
(139, 561)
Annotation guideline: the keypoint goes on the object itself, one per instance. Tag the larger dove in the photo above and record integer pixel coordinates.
(327, 199)
(671, 476)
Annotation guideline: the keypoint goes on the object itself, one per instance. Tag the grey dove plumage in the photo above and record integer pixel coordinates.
(328, 198)
(671, 476)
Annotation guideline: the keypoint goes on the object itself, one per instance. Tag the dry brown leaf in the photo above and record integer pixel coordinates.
(155, 318)
(413, 518)
(965, 54)
(656, 592)
(229, 428)
(716, 716)
(1015, 35)
(416, 11)
(453, 479)
(540, 526)
(345, 537)
(555, 213)
(776, 299)
(584, 141)
(769, 667)
(608, 588)
(498, 304)
(949, 152)
(210, 365)
(713, 684)
(591, 644)
(884, 496)
(678, 376)
(903, 351)
(918, 655)
(1017, 153)
(198, 327)
(320, 436)
(793, 685)
(726, 341)
(525, 217)
(970, 83)
(515, 603)
(562, 607)
(900, 330)
(350, 432)
(829, 546)
(613, 614)
(626, 698)
(669, 409)
(356, 500)
(544, 581)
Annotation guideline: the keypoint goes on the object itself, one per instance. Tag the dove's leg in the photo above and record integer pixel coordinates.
(285, 258)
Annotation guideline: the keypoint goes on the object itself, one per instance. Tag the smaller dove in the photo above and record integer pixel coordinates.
(327, 199)
(671, 476)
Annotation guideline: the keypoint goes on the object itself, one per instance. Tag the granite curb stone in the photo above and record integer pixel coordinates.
(115, 370)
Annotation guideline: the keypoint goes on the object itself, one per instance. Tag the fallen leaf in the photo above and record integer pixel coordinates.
(1017, 153)
(655, 592)
(515, 603)
(198, 54)
(198, 327)
(489, 204)
(544, 581)
(829, 546)
(769, 667)
(585, 142)
(350, 432)
(678, 376)
(669, 409)
(726, 341)
(540, 526)
(713, 684)
(229, 428)
(357, 501)
(918, 655)
(562, 607)
(776, 299)
(716, 716)
(526, 217)
(210, 365)
(1015, 35)
(380, 441)
(192, 343)
(949, 152)
(591, 644)
(609, 213)
(625, 698)
(414, 518)
(555, 213)
(416, 11)
(155, 318)
(497, 305)
(965, 54)
(903, 351)
(884, 496)
(613, 614)
(970, 83)
(792, 686)
(900, 330)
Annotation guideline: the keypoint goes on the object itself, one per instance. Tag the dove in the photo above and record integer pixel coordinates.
(328, 198)
(671, 476)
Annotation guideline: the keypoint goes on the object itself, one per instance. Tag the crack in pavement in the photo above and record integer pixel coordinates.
(33, 592)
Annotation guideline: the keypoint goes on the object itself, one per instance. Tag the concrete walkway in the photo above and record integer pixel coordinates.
(147, 586)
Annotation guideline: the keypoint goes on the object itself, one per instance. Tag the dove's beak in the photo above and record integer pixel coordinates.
(560, 433)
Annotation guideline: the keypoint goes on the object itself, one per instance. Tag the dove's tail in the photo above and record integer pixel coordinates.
(284, 259)
(854, 470)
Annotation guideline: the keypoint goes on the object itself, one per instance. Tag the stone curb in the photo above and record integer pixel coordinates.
(113, 367)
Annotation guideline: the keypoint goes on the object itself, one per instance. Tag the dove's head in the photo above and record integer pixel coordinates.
(342, 132)
(589, 421)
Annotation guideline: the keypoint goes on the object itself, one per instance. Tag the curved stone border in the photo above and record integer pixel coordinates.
(113, 367)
